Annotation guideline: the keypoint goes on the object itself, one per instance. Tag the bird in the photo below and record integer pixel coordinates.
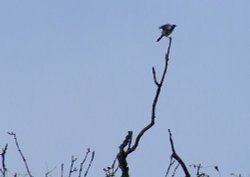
(166, 30)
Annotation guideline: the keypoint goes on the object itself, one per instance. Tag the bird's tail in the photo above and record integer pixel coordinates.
(159, 38)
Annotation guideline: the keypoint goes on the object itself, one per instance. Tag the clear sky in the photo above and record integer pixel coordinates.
(77, 74)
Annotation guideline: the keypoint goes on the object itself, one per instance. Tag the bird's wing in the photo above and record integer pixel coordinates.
(165, 27)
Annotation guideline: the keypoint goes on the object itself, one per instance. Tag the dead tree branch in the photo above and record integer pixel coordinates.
(199, 169)
(172, 161)
(90, 163)
(72, 168)
(20, 152)
(177, 157)
(4, 168)
(110, 171)
(123, 153)
(84, 159)
(62, 165)
(49, 172)
(175, 169)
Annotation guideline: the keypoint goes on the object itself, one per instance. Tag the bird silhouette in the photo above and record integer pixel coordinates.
(166, 30)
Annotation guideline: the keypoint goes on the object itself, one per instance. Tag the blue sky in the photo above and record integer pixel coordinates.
(77, 74)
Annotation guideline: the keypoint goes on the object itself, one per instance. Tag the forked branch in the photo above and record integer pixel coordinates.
(177, 157)
(123, 153)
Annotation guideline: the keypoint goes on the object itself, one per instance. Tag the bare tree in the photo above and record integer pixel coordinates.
(126, 148)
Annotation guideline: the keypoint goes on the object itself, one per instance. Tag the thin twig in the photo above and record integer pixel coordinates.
(90, 163)
(50, 171)
(20, 152)
(81, 165)
(72, 168)
(114, 169)
(177, 157)
(4, 169)
(172, 161)
(154, 76)
(198, 169)
(62, 169)
(110, 171)
(175, 169)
